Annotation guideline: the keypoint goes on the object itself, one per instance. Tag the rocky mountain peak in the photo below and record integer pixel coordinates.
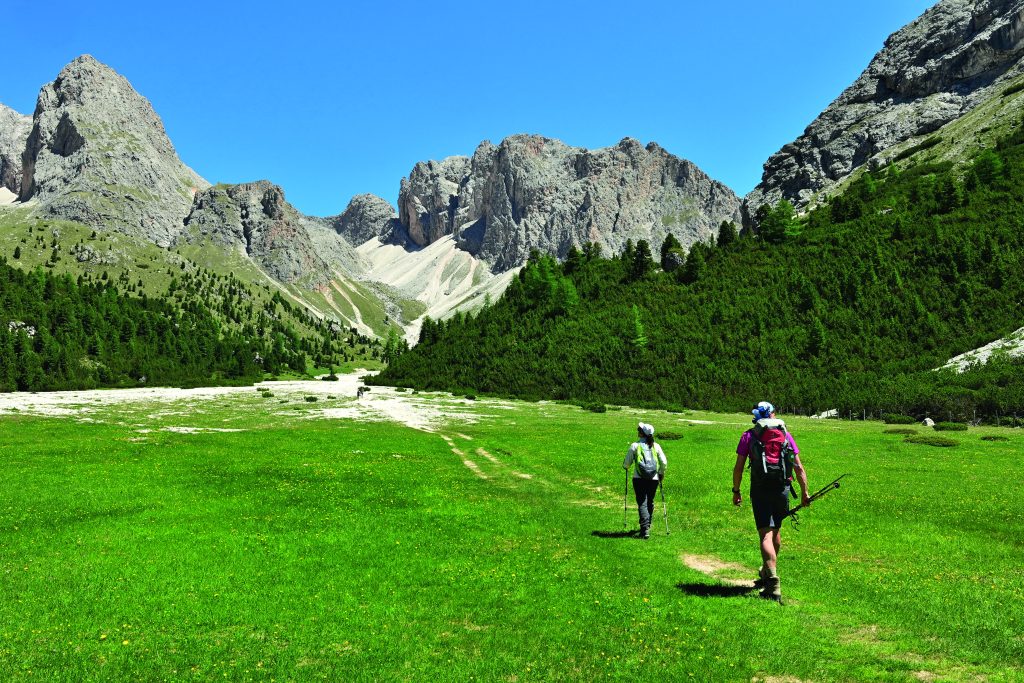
(256, 220)
(98, 154)
(530, 192)
(929, 73)
(14, 130)
(368, 216)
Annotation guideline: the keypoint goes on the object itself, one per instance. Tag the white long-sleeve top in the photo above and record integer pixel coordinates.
(631, 459)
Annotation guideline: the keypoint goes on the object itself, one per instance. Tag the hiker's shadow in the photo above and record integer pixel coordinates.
(714, 590)
(615, 534)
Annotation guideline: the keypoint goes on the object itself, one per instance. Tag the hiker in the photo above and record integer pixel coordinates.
(649, 473)
(774, 459)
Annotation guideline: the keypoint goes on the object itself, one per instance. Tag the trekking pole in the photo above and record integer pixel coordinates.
(625, 497)
(664, 505)
(810, 499)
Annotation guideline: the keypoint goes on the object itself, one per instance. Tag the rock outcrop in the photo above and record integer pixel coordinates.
(368, 216)
(14, 130)
(255, 219)
(98, 154)
(531, 192)
(929, 73)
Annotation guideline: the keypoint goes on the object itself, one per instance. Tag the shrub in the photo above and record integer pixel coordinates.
(675, 409)
(311, 399)
(471, 397)
(670, 436)
(596, 407)
(1015, 88)
(401, 389)
(895, 419)
(994, 438)
(904, 431)
(928, 440)
(950, 427)
(267, 394)
(330, 378)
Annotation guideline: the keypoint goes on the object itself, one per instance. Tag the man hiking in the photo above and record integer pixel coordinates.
(650, 462)
(774, 459)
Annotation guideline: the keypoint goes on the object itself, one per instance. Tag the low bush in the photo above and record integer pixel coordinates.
(267, 394)
(994, 438)
(904, 431)
(596, 407)
(928, 440)
(895, 419)
(1015, 88)
(311, 399)
(471, 397)
(670, 436)
(950, 427)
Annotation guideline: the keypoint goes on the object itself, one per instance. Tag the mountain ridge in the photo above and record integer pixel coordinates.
(928, 74)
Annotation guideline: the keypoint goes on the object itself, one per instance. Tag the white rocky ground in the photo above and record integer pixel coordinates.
(1011, 346)
(161, 403)
(7, 197)
(444, 277)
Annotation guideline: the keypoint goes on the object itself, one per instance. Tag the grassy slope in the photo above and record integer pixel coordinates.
(159, 265)
(348, 550)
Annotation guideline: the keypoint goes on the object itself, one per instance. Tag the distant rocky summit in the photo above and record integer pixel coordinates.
(929, 73)
(98, 154)
(14, 130)
(531, 192)
(255, 219)
(368, 216)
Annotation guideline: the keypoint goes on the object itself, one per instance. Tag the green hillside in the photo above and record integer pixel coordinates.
(850, 307)
(109, 310)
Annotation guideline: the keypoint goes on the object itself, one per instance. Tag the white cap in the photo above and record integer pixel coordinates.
(646, 429)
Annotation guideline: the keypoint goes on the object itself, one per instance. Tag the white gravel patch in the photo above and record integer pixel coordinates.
(380, 404)
(1012, 346)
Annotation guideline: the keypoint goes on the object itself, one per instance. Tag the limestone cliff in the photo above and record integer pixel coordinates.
(255, 219)
(954, 57)
(98, 154)
(14, 130)
(531, 192)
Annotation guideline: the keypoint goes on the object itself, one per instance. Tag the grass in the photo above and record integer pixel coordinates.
(304, 549)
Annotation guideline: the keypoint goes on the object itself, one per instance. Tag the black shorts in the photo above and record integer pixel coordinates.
(770, 506)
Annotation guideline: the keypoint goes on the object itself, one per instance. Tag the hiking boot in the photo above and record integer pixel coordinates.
(772, 589)
(645, 533)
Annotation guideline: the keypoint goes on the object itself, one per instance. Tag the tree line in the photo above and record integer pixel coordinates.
(59, 332)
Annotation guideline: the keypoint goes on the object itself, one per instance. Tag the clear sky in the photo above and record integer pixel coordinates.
(334, 99)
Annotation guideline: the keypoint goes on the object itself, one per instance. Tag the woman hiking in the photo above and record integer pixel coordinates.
(649, 473)
(774, 460)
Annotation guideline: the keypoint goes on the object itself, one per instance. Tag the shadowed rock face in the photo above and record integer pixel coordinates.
(929, 73)
(531, 192)
(368, 216)
(98, 154)
(14, 130)
(255, 219)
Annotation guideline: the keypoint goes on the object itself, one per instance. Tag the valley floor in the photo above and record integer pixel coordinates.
(165, 534)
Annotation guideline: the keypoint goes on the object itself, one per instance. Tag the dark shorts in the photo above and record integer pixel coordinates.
(769, 507)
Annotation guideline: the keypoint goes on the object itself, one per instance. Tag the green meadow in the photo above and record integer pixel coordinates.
(304, 547)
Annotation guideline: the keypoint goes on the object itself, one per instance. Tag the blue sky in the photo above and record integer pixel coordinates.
(331, 100)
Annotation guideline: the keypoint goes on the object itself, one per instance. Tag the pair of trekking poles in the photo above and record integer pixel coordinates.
(625, 503)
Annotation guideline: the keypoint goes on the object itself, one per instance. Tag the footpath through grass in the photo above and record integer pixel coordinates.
(305, 549)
